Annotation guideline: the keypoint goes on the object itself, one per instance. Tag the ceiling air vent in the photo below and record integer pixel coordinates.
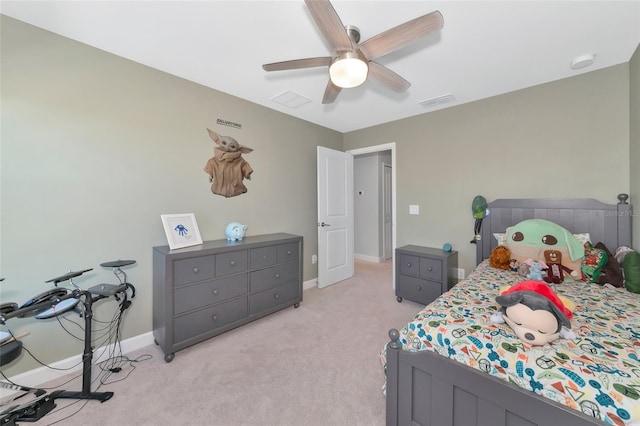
(439, 100)
(290, 99)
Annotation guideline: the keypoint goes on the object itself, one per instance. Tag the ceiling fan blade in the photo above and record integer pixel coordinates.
(331, 93)
(403, 34)
(329, 24)
(298, 63)
(386, 77)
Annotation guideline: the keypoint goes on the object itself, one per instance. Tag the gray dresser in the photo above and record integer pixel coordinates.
(202, 291)
(424, 273)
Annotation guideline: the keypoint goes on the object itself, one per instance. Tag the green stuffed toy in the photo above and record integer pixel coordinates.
(631, 267)
(594, 261)
(530, 238)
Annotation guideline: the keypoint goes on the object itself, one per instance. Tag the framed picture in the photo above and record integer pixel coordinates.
(181, 229)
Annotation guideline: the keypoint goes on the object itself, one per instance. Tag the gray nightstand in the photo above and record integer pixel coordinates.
(424, 273)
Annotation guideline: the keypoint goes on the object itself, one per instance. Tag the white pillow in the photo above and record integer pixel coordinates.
(583, 238)
(500, 238)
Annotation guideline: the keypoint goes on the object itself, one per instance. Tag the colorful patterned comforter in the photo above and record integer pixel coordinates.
(598, 372)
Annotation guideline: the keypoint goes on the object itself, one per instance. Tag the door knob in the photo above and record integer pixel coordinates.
(324, 224)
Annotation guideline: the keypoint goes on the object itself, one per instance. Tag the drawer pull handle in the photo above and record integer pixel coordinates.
(277, 276)
(430, 269)
(276, 296)
(288, 252)
(214, 317)
(419, 288)
(408, 265)
(232, 263)
(215, 291)
(196, 270)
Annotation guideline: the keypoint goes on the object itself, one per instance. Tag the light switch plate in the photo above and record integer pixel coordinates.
(414, 209)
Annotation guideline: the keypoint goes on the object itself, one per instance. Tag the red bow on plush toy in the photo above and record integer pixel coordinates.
(535, 313)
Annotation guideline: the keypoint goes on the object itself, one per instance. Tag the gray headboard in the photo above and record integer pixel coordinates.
(606, 223)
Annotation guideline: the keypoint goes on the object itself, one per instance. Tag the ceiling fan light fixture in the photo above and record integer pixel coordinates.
(348, 70)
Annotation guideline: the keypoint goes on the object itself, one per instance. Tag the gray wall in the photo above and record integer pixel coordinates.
(634, 154)
(552, 140)
(94, 148)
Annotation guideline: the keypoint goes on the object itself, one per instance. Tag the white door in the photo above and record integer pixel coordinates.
(387, 229)
(335, 216)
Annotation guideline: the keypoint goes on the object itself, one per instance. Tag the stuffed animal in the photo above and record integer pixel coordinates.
(555, 268)
(536, 314)
(500, 258)
(531, 237)
(535, 269)
(523, 268)
(227, 169)
(594, 261)
(513, 265)
(611, 272)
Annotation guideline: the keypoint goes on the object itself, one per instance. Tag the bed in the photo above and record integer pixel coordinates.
(461, 369)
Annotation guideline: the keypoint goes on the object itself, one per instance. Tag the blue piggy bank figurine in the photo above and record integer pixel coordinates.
(235, 231)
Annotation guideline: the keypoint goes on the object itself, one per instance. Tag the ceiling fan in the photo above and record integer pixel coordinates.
(352, 62)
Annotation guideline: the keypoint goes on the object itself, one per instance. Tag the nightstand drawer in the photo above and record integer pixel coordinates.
(187, 298)
(431, 269)
(409, 265)
(418, 290)
(231, 263)
(276, 296)
(206, 320)
(187, 271)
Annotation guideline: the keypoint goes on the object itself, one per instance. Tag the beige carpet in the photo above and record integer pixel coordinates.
(315, 365)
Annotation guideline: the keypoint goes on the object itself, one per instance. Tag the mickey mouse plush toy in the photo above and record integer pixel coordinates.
(535, 313)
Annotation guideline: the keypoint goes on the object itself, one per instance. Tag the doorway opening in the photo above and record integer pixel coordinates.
(375, 191)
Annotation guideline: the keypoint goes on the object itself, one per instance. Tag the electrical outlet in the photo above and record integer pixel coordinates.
(414, 209)
(314, 258)
(460, 273)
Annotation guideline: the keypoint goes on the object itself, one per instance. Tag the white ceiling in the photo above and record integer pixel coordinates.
(485, 48)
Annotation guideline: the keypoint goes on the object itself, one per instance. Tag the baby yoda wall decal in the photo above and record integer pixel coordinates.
(227, 169)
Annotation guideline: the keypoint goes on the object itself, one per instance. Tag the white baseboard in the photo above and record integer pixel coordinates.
(40, 375)
(306, 285)
(368, 258)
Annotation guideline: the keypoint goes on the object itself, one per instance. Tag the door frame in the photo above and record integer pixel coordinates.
(386, 166)
(391, 146)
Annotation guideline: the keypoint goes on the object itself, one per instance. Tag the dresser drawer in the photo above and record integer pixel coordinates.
(191, 270)
(271, 298)
(208, 319)
(409, 265)
(263, 256)
(431, 269)
(274, 276)
(231, 263)
(288, 252)
(418, 290)
(187, 298)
